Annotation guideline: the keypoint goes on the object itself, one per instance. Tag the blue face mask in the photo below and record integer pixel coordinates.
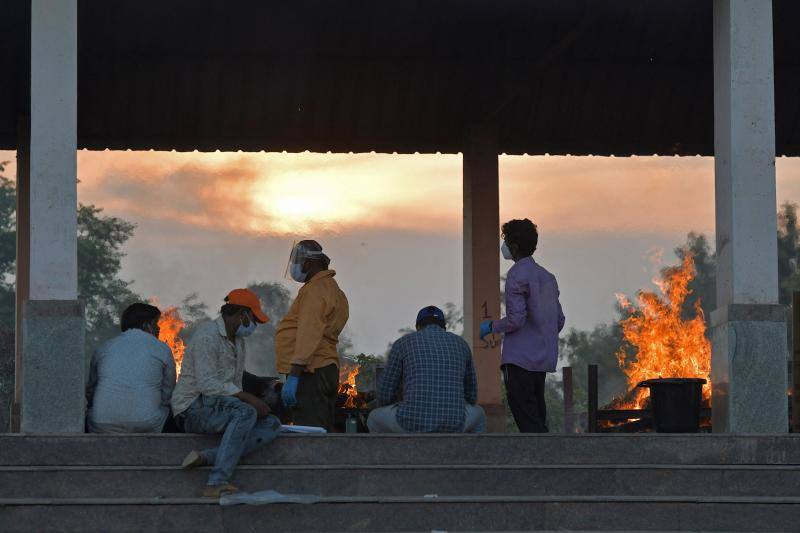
(297, 273)
(246, 331)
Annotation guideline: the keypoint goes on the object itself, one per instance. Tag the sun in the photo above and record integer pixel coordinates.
(298, 202)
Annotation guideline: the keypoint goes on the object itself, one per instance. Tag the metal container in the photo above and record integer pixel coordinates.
(351, 424)
(675, 403)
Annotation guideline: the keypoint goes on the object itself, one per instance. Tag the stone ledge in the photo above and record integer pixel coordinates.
(748, 313)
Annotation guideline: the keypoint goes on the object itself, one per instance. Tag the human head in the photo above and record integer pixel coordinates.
(244, 303)
(430, 315)
(307, 260)
(521, 237)
(141, 316)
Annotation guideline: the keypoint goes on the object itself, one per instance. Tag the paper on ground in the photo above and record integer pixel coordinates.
(264, 497)
(302, 429)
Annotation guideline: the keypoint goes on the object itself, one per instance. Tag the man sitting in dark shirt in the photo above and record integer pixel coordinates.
(429, 384)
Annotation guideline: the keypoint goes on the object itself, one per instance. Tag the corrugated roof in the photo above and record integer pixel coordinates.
(558, 76)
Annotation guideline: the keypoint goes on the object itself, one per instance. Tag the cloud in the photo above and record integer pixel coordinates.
(276, 194)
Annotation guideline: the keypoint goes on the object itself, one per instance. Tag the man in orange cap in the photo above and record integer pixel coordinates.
(208, 397)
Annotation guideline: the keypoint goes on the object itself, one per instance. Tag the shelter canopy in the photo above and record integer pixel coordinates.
(557, 76)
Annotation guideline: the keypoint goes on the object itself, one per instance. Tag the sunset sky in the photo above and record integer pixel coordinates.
(209, 222)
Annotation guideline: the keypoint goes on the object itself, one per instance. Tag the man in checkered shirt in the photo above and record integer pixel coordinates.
(429, 385)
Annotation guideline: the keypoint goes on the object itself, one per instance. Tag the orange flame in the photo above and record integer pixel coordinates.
(347, 384)
(170, 325)
(667, 346)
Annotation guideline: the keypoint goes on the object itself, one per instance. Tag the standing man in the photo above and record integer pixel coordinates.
(131, 377)
(533, 321)
(209, 397)
(306, 338)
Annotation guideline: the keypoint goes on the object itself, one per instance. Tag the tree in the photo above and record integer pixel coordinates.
(100, 242)
(275, 301)
(7, 303)
(8, 249)
(598, 346)
(453, 318)
(704, 284)
(104, 294)
(788, 252)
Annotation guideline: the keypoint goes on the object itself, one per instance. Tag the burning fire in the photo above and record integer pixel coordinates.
(347, 384)
(667, 346)
(170, 325)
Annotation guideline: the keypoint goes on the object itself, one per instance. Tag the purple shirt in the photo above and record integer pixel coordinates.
(533, 318)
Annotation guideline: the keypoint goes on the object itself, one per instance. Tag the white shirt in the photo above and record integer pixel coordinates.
(212, 366)
(130, 384)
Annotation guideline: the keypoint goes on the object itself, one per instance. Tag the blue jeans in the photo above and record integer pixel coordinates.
(242, 432)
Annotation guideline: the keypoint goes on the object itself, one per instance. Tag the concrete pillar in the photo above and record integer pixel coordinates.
(749, 330)
(482, 269)
(53, 361)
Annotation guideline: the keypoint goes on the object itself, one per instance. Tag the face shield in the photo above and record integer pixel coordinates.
(301, 252)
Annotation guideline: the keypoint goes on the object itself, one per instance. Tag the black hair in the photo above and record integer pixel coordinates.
(314, 246)
(232, 309)
(135, 316)
(431, 320)
(524, 234)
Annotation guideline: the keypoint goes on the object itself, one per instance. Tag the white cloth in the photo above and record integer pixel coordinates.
(212, 366)
(130, 384)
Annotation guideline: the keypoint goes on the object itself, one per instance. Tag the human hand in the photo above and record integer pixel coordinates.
(262, 409)
(289, 391)
(486, 328)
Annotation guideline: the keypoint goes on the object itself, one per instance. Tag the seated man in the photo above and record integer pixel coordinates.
(439, 386)
(209, 397)
(131, 377)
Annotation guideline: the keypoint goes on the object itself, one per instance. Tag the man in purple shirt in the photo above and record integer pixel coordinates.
(531, 326)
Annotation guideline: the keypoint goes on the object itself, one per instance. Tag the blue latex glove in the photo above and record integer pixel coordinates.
(289, 391)
(486, 328)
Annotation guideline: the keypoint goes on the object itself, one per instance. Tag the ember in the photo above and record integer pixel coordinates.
(666, 345)
(170, 325)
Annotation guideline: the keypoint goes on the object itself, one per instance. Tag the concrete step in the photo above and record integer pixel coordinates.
(502, 513)
(168, 450)
(409, 480)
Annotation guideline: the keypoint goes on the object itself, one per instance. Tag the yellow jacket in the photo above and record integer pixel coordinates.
(309, 332)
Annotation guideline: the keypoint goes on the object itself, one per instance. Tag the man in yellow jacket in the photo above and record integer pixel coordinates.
(306, 338)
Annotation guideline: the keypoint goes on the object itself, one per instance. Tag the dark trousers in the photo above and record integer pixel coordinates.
(525, 392)
(316, 397)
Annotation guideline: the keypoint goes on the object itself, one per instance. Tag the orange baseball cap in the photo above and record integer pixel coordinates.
(247, 298)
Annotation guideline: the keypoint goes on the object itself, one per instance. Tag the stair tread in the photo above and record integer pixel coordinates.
(793, 500)
(444, 467)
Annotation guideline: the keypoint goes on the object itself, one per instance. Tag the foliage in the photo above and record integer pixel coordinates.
(8, 249)
(598, 346)
(788, 252)
(366, 364)
(100, 242)
(104, 294)
(275, 301)
(453, 317)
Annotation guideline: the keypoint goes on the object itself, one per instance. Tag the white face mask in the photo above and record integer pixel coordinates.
(506, 252)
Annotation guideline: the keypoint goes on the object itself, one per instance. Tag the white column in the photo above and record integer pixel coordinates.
(53, 146)
(749, 336)
(482, 269)
(53, 362)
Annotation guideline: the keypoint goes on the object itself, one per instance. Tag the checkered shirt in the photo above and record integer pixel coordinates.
(437, 376)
